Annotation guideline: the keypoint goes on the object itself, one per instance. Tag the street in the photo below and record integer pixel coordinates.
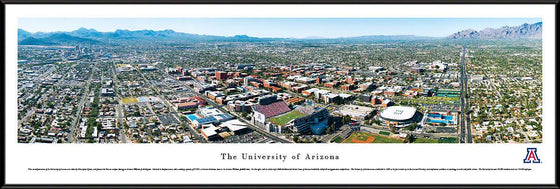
(465, 130)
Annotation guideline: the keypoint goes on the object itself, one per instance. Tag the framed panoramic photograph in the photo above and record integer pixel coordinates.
(280, 95)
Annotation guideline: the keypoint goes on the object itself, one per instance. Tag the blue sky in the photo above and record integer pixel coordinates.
(279, 27)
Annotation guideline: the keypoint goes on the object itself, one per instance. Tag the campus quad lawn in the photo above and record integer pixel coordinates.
(425, 140)
(284, 119)
(129, 100)
(362, 136)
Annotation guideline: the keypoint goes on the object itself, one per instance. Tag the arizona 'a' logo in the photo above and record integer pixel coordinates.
(531, 156)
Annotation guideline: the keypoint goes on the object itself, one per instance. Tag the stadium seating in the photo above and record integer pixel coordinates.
(273, 109)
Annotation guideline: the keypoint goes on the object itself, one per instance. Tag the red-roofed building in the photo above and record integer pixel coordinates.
(331, 84)
(221, 75)
(186, 105)
(349, 80)
(276, 89)
(198, 99)
(295, 100)
(190, 102)
(347, 87)
(257, 85)
(389, 93)
(299, 89)
(376, 101)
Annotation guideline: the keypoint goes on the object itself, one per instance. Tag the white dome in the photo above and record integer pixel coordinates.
(398, 113)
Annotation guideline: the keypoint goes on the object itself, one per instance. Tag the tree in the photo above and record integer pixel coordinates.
(346, 119)
(50, 104)
(328, 130)
(409, 138)
(156, 132)
(392, 128)
(412, 126)
(125, 125)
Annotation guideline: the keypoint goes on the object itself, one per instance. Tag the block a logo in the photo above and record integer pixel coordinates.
(531, 156)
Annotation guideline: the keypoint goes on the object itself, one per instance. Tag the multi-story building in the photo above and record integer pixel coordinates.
(314, 121)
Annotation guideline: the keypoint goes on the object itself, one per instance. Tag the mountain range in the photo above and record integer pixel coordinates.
(92, 36)
(531, 31)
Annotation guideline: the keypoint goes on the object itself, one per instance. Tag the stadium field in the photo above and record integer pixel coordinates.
(129, 100)
(284, 119)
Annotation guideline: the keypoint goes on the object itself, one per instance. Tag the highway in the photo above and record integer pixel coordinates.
(72, 136)
(465, 130)
(119, 109)
(467, 105)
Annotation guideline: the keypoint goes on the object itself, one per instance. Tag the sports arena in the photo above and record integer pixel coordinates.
(400, 116)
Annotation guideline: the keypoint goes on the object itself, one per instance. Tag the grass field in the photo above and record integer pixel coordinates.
(365, 137)
(129, 100)
(385, 133)
(431, 100)
(284, 119)
(425, 140)
(448, 140)
(338, 139)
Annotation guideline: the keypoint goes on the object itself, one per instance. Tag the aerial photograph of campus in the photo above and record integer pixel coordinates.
(279, 80)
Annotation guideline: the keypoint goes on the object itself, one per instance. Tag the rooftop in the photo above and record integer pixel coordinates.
(354, 110)
(398, 113)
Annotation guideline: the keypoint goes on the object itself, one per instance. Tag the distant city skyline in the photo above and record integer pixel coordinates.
(278, 27)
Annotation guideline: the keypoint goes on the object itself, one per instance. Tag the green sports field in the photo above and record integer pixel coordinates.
(448, 140)
(338, 139)
(129, 100)
(386, 133)
(425, 140)
(285, 118)
(441, 140)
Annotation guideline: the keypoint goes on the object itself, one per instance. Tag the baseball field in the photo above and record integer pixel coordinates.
(365, 137)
